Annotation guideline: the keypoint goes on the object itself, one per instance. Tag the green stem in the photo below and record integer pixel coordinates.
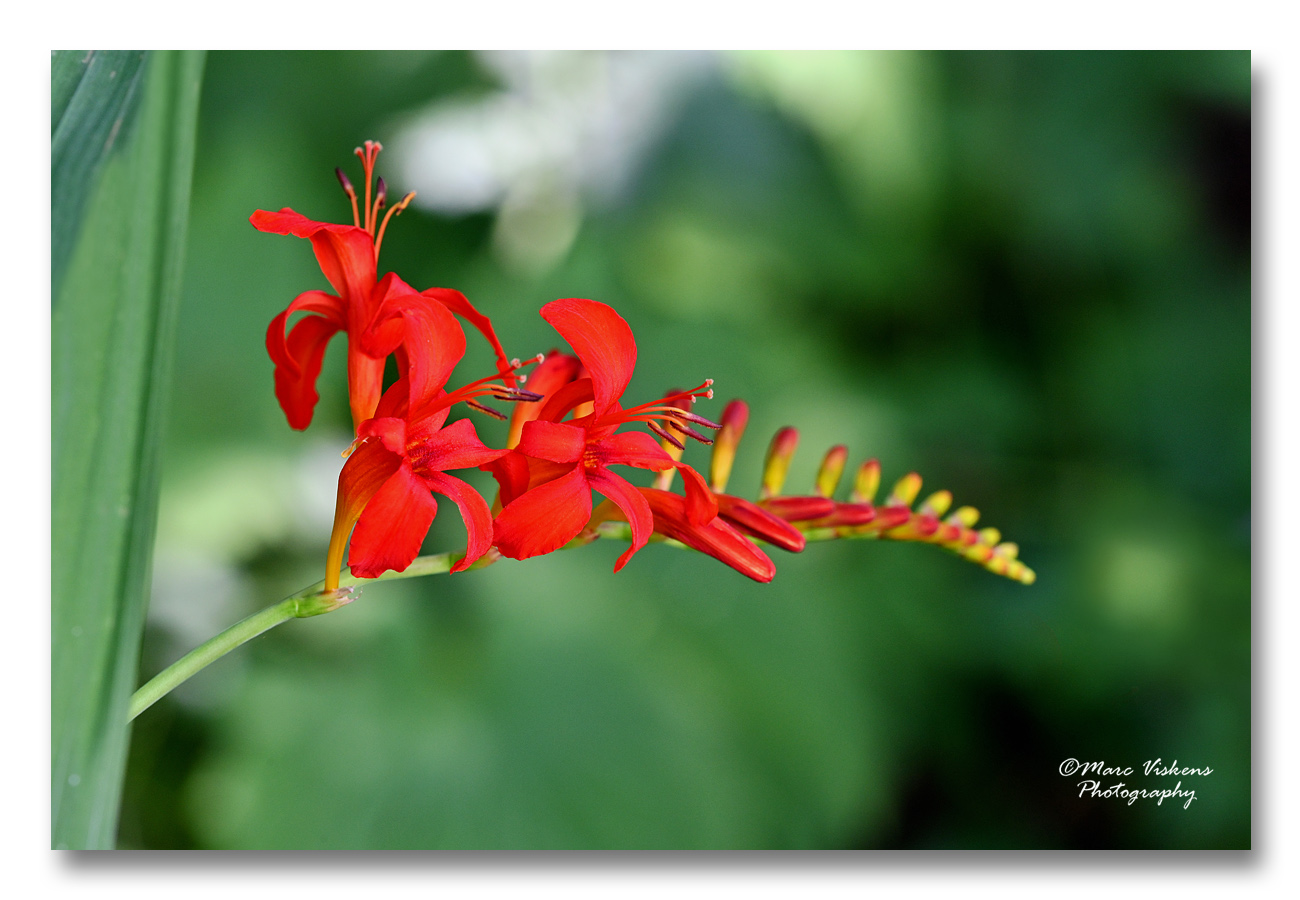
(209, 652)
(310, 601)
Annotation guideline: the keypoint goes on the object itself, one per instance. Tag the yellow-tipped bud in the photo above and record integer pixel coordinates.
(1007, 549)
(905, 491)
(777, 466)
(734, 419)
(828, 476)
(990, 536)
(965, 515)
(937, 503)
(867, 482)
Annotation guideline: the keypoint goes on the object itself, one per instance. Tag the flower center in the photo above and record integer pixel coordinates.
(591, 459)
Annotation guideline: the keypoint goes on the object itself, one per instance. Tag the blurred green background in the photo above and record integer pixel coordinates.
(1024, 275)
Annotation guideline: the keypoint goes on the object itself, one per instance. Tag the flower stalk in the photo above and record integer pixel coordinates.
(310, 601)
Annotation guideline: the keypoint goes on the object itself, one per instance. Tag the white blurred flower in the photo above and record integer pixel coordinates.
(568, 127)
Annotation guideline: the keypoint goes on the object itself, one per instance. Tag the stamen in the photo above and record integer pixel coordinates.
(514, 395)
(692, 433)
(699, 420)
(703, 390)
(482, 387)
(352, 195)
(663, 433)
(381, 198)
(353, 446)
(367, 157)
(397, 208)
(486, 409)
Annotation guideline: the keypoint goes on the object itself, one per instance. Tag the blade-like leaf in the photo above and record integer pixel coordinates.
(112, 337)
(94, 95)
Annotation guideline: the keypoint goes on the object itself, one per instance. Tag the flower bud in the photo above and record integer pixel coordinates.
(867, 482)
(905, 490)
(937, 503)
(777, 466)
(828, 476)
(965, 516)
(734, 418)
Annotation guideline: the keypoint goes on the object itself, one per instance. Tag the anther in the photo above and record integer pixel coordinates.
(514, 394)
(691, 433)
(381, 194)
(663, 433)
(351, 193)
(347, 185)
(496, 414)
(698, 420)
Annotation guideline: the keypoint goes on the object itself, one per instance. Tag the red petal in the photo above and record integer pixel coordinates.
(455, 447)
(541, 471)
(389, 431)
(286, 221)
(393, 404)
(602, 340)
(473, 509)
(553, 441)
(544, 518)
(634, 507)
(369, 466)
(633, 448)
(457, 303)
(298, 357)
(573, 394)
(701, 504)
(393, 525)
(511, 474)
(753, 519)
(376, 326)
(365, 381)
(430, 336)
(346, 253)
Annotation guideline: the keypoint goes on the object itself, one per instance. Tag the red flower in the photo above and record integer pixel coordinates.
(546, 482)
(400, 455)
(375, 313)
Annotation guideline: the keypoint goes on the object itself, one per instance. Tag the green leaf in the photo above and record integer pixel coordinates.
(113, 330)
(94, 95)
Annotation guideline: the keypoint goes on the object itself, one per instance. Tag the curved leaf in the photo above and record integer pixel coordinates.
(111, 344)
